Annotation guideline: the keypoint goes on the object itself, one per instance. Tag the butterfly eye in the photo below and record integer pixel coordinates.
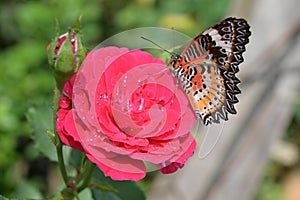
(174, 59)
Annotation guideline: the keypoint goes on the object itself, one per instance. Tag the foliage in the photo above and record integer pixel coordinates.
(26, 27)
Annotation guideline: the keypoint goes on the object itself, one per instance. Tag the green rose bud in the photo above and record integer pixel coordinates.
(66, 53)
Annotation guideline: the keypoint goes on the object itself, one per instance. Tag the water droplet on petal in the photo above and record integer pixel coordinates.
(125, 79)
(102, 98)
(141, 106)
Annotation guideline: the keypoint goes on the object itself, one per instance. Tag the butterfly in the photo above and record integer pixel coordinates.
(207, 69)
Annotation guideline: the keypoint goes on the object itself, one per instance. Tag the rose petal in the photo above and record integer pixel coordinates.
(120, 167)
(180, 162)
(67, 131)
(127, 110)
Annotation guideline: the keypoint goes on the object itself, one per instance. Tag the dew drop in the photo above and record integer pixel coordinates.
(102, 98)
(172, 100)
(125, 79)
(96, 135)
(141, 106)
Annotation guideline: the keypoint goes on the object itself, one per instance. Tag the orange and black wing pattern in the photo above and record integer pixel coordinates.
(207, 69)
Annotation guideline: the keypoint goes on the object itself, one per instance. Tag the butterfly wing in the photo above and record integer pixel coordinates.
(207, 68)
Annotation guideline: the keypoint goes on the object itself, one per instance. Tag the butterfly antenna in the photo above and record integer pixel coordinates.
(157, 45)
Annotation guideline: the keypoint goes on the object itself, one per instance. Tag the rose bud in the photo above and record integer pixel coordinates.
(66, 53)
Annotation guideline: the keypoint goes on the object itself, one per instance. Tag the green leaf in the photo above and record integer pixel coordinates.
(86, 194)
(4, 198)
(40, 118)
(74, 158)
(27, 190)
(99, 195)
(122, 188)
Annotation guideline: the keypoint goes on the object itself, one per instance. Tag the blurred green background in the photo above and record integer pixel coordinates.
(26, 27)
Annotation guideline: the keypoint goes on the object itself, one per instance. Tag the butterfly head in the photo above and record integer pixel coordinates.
(175, 61)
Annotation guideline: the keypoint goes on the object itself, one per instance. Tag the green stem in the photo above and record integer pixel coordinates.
(89, 169)
(61, 162)
(59, 145)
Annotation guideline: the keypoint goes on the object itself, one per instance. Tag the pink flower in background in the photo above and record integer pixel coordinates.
(127, 112)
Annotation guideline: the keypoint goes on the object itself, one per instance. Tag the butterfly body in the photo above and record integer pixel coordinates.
(207, 66)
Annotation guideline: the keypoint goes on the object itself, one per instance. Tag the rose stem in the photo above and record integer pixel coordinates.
(59, 145)
(89, 169)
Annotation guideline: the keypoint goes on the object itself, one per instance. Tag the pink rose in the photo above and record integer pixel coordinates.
(127, 111)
